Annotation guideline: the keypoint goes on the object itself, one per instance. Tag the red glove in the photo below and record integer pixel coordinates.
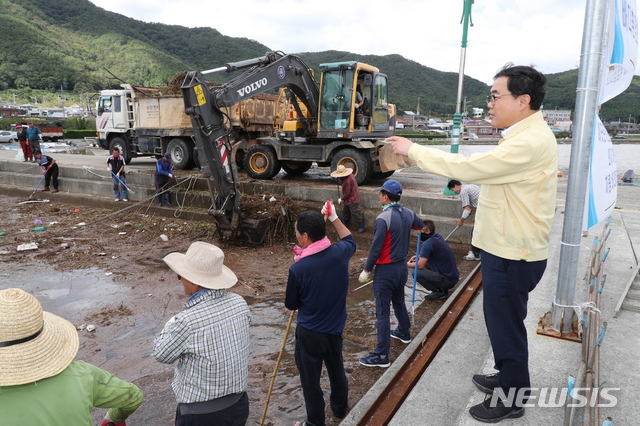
(107, 422)
(44, 173)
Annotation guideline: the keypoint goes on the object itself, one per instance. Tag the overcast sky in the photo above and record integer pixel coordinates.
(545, 33)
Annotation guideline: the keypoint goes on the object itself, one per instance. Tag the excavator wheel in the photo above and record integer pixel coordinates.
(355, 159)
(296, 168)
(261, 162)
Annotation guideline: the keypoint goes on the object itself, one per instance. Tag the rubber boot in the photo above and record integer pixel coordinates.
(166, 199)
(361, 230)
(160, 200)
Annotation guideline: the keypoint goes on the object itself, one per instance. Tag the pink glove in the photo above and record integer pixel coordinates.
(44, 173)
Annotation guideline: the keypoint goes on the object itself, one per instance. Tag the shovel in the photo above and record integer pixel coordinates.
(123, 184)
(451, 233)
(34, 191)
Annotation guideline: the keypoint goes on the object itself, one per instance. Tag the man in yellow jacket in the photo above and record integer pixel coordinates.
(513, 222)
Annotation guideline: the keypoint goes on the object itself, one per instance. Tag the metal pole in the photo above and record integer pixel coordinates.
(457, 117)
(591, 63)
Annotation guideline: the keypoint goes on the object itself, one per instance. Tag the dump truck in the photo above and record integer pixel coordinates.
(142, 121)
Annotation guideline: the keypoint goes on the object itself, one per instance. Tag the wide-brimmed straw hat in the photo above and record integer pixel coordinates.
(202, 265)
(342, 171)
(34, 344)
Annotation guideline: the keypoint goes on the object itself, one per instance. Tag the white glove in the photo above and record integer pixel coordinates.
(170, 176)
(339, 201)
(465, 213)
(329, 210)
(117, 174)
(364, 277)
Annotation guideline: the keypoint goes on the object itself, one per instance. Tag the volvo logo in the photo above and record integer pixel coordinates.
(252, 87)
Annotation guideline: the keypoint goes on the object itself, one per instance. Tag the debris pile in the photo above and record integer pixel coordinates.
(281, 213)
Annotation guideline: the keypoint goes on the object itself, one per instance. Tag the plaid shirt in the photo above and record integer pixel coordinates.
(210, 341)
(469, 195)
(350, 191)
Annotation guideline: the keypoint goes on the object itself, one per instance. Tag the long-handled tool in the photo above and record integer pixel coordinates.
(275, 370)
(350, 292)
(415, 279)
(120, 180)
(451, 233)
(34, 191)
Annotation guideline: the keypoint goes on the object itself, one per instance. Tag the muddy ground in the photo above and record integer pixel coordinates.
(102, 267)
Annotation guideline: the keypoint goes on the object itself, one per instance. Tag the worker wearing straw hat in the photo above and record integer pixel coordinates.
(210, 341)
(350, 196)
(40, 384)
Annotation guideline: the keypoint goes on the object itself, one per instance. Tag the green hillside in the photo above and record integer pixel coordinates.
(73, 46)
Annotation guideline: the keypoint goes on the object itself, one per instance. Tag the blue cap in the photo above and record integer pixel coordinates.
(391, 186)
(167, 155)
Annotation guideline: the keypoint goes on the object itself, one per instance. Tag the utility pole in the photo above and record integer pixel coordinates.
(457, 117)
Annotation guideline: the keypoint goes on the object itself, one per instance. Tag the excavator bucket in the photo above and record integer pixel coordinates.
(253, 231)
(390, 161)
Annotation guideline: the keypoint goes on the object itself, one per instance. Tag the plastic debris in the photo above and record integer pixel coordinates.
(122, 233)
(91, 327)
(272, 199)
(100, 254)
(108, 274)
(39, 229)
(81, 224)
(128, 224)
(65, 245)
(37, 222)
(5, 252)
(53, 223)
(76, 211)
(163, 237)
(137, 225)
(115, 226)
(2, 233)
(80, 327)
(28, 246)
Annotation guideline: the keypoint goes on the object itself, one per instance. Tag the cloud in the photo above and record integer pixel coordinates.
(546, 33)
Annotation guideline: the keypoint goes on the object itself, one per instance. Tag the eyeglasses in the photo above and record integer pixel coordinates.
(491, 99)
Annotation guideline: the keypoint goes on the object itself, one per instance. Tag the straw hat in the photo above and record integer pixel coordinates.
(342, 171)
(202, 265)
(34, 344)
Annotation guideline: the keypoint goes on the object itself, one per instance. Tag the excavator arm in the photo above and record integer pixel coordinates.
(205, 107)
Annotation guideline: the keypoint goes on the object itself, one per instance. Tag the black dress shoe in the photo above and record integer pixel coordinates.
(486, 383)
(485, 413)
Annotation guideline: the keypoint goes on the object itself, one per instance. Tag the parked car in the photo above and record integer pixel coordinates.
(8, 137)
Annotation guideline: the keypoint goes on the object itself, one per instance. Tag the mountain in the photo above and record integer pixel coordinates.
(48, 46)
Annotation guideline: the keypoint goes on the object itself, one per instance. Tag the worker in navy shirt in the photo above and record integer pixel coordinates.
(317, 287)
(49, 170)
(437, 269)
(388, 253)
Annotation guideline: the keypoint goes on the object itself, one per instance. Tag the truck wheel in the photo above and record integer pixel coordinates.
(181, 153)
(355, 159)
(381, 175)
(296, 168)
(261, 162)
(123, 146)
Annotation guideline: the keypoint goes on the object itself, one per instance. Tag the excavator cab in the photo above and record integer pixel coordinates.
(342, 85)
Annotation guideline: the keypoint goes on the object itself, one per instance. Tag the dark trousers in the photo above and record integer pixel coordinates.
(51, 177)
(162, 184)
(506, 285)
(236, 415)
(351, 210)
(35, 145)
(312, 349)
(388, 289)
(434, 281)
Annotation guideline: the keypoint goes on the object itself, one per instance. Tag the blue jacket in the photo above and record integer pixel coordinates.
(163, 168)
(34, 133)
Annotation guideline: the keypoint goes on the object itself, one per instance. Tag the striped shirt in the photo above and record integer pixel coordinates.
(469, 195)
(210, 341)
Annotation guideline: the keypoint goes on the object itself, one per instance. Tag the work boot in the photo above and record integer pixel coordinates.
(45, 189)
(55, 190)
(361, 230)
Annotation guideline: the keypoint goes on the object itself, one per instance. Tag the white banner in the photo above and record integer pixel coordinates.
(602, 190)
(622, 49)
